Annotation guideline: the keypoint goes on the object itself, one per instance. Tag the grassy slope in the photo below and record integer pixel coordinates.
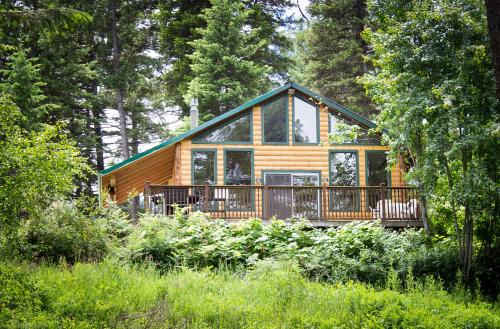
(112, 295)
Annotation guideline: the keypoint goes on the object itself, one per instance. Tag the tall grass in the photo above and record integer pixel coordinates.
(270, 295)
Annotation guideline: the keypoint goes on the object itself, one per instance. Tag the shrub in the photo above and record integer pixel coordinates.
(21, 301)
(62, 232)
(356, 251)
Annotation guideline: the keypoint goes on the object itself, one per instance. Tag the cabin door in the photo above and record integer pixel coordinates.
(288, 202)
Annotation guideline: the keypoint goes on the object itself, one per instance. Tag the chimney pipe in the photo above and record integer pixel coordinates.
(193, 112)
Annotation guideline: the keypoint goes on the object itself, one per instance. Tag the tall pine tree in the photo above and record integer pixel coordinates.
(180, 23)
(225, 75)
(332, 51)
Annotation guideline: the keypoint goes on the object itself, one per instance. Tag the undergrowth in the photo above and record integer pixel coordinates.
(271, 294)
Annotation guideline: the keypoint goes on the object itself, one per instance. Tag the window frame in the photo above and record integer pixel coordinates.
(330, 196)
(263, 134)
(252, 176)
(210, 130)
(214, 151)
(389, 172)
(317, 120)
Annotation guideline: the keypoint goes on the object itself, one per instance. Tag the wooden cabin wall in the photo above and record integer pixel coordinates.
(283, 157)
(156, 168)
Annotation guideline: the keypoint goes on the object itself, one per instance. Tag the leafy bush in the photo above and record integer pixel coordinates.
(64, 231)
(271, 295)
(21, 301)
(357, 251)
(36, 167)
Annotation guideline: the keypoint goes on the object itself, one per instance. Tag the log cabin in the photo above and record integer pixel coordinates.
(272, 157)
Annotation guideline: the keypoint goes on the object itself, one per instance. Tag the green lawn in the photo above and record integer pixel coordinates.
(111, 294)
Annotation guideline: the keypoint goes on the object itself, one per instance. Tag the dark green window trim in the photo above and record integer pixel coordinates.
(271, 171)
(250, 113)
(215, 162)
(252, 174)
(317, 120)
(287, 142)
(343, 144)
(358, 206)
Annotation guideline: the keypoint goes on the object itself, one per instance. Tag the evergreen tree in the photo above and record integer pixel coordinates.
(332, 51)
(181, 22)
(22, 84)
(225, 76)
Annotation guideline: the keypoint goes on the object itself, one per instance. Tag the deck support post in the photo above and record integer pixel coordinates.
(206, 195)
(265, 199)
(382, 197)
(147, 196)
(324, 201)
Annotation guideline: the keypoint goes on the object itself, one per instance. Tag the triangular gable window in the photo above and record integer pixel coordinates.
(237, 131)
(343, 131)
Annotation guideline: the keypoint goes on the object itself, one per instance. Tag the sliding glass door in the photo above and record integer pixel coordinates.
(293, 202)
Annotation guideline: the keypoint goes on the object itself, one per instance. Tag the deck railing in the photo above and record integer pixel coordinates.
(319, 203)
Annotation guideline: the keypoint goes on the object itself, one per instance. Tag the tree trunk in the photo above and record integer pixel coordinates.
(134, 202)
(99, 144)
(421, 188)
(119, 89)
(468, 217)
(493, 15)
(361, 13)
(454, 211)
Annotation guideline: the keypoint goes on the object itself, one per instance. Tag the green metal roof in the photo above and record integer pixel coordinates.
(236, 111)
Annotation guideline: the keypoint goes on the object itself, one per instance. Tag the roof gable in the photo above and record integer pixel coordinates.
(211, 123)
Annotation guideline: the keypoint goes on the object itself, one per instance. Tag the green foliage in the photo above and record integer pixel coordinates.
(435, 85)
(358, 251)
(331, 52)
(22, 84)
(52, 20)
(181, 23)
(271, 295)
(62, 232)
(21, 301)
(71, 231)
(225, 74)
(35, 168)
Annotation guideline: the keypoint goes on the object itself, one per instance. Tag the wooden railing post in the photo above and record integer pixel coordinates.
(147, 196)
(265, 199)
(384, 203)
(324, 201)
(206, 195)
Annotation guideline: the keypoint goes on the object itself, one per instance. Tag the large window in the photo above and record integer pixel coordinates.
(346, 132)
(275, 122)
(344, 172)
(238, 171)
(204, 166)
(236, 131)
(305, 121)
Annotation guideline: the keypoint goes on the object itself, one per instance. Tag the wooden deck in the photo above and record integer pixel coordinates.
(323, 206)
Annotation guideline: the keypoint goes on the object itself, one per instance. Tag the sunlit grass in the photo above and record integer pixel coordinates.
(273, 295)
